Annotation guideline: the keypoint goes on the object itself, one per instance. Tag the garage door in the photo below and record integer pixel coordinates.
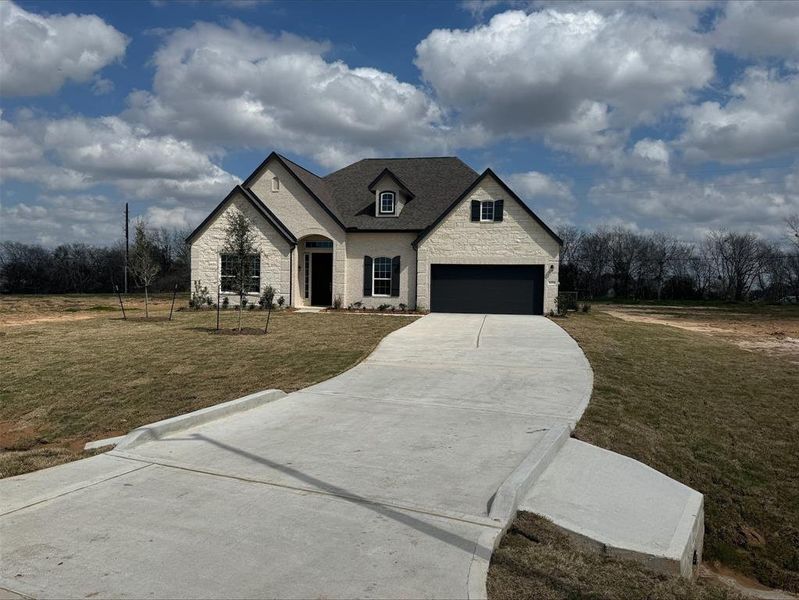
(506, 289)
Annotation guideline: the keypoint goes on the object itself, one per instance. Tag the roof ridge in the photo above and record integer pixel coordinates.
(298, 165)
(407, 158)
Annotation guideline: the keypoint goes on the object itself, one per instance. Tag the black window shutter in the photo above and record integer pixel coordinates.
(475, 210)
(367, 275)
(395, 271)
(498, 205)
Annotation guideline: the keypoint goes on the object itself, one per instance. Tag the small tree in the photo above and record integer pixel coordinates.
(240, 247)
(143, 263)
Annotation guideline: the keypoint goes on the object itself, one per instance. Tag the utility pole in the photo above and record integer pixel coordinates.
(127, 245)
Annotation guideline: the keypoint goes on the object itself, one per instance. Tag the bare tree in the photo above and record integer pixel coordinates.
(738, 257)
(593, 255)
(240, 247)
(143, 262)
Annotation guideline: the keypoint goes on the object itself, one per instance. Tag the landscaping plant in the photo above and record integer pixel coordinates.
(143, 264)
(240, 246)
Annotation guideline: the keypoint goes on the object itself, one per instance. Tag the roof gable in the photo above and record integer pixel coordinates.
(259, 206)
(468, 190)
(388, 173)
(314, 185)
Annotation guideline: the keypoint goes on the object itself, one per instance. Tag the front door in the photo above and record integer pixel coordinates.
(321, 279)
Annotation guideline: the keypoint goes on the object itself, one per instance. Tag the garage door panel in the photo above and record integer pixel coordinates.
(506, 289)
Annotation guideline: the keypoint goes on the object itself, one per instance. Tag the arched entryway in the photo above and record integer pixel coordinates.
(316, 270)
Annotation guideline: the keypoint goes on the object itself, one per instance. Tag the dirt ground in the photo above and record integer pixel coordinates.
(30, 310)
(772, 330)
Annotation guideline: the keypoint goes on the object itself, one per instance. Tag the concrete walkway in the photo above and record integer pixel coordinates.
(376, 483)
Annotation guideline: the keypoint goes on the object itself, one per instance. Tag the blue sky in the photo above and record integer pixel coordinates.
(674, 116)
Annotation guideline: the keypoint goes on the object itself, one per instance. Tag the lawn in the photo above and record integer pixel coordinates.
(71, 370)
(708, 410)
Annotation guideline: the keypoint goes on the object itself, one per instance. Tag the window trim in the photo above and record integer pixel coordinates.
(380, 210)
(257, 277)
(493, 209)
(374, 278)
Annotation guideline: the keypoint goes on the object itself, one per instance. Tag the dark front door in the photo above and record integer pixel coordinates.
(321, 279)
(508, 289)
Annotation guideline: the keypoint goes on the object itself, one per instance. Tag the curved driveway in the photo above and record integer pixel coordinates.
(376, 483)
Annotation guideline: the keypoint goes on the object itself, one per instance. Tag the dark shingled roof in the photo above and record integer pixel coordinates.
(434, 183)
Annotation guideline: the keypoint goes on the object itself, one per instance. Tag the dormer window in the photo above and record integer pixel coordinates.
(387, 203)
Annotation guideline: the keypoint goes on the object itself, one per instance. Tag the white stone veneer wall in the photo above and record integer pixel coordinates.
(303, 216)
(381, 244)
(274, 249)
(518, 239)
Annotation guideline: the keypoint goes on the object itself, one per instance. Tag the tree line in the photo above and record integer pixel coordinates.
(160, 254)
(601, 263)
(724, 265)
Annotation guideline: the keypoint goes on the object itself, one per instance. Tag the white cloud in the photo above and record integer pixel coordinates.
(241, 86)
(651, 155)
(523, 73)
(102, 86)
(759, 29)
(550, 198)
(39, 53)
(688, 208)
(534, 184)
(175, 217)
(760, 119)
(57, 219)
(77, 153)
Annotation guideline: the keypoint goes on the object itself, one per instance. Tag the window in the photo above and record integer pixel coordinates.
(229, 271)
(319, 244)
(275, 184)
(386, 203)
(381, 276)
(307, 274)
(487, 210)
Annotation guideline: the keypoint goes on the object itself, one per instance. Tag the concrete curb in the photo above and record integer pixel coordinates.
(112, 441)
(159, 429)
(506, 503)
(506, 500)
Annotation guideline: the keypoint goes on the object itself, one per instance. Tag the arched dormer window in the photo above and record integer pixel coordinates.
(387, 203)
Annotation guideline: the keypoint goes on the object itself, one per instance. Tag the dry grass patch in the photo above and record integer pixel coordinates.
(770, 329)
(537, 562)
(722, 420)
(66, 382)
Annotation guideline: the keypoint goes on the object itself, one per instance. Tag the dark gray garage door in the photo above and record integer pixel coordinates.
(507, 289)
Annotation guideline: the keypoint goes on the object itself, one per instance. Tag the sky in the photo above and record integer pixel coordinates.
(677, 116)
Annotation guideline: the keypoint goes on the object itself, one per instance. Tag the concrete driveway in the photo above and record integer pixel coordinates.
(376, 483)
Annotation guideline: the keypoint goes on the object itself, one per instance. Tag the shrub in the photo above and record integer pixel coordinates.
(403, 307)
(383, 307)
(252, 307)
(357, 305)
(200, 296)
(267, 297)
(586, 307)
(225, 302)
(243, 302)
(281, 301)
(337, 302)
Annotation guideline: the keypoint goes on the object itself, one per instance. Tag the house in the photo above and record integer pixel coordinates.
(429, 233)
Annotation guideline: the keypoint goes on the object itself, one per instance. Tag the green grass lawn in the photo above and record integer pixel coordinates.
(706, 412)
(65, 382)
